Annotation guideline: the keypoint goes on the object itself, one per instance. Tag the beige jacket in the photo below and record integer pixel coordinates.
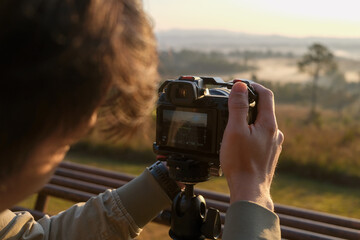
(121, 213)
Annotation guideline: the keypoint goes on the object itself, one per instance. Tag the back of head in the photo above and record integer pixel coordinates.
(59, 59)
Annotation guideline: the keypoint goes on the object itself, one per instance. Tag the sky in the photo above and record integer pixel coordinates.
(302, 18)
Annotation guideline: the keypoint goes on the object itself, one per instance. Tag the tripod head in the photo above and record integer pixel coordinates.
(187, 170)
(190, 219)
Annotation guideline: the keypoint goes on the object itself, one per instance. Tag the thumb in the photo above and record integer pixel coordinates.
(238, 104)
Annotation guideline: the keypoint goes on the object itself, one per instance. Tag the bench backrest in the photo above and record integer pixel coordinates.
(78, 183)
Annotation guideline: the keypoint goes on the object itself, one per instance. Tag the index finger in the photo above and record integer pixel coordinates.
(265, 107)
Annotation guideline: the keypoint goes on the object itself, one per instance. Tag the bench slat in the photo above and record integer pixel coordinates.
(87, 177)
(97, 171)
(318, 227)
(66, 193)
(298, 234)
(78, 184)
(318, 216)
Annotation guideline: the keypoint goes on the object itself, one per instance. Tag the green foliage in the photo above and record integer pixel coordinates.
(337, 95)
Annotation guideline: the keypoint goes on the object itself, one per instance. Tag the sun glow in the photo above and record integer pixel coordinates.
(282, 17)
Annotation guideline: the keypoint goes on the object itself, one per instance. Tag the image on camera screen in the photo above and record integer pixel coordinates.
(184, 129)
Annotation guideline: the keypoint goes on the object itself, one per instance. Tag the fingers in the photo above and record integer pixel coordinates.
(265, 108)
(238, 105)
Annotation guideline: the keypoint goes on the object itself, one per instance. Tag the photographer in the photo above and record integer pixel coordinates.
(65, 62)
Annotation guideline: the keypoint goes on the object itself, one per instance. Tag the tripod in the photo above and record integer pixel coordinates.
(190, 219)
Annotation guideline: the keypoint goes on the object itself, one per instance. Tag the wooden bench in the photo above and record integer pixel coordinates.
(78, 183)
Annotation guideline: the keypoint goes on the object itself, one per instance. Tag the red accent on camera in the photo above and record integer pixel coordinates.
(161, 157)
(187, 78)
(237, 80)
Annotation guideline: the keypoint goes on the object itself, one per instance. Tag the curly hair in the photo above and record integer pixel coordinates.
(61, 60)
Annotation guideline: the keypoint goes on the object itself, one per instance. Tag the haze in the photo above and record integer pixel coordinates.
(340, 19)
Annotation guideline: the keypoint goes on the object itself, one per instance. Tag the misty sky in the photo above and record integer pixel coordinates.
(284, 17)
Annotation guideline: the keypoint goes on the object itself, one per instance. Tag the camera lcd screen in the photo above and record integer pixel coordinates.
(185, 129)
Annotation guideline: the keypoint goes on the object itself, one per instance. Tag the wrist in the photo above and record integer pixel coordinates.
(249, 188)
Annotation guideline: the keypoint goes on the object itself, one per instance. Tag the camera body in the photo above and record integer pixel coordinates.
(191, 116)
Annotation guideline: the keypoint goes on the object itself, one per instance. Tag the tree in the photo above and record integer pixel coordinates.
(317, 61)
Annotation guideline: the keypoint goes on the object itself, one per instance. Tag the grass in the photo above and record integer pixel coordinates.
(316, 195)
(328, 150)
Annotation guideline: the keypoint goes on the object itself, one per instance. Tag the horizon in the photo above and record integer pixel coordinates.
(254, 34)
(225, 40)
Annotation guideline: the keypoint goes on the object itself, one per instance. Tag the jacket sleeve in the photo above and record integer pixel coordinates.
(248, 220)
(114, 214)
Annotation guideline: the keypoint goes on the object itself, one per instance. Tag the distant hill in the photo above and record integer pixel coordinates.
(221, 40)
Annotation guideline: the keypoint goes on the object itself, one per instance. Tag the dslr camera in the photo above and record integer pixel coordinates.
(191, 116)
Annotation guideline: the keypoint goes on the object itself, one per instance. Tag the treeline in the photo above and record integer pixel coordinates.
(333, 92)
(341, 97)
(190, 62)
(250, 54)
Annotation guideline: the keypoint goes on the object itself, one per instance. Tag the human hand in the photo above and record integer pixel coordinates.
(249, 153)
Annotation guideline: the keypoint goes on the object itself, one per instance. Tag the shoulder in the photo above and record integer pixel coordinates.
(19, 225)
